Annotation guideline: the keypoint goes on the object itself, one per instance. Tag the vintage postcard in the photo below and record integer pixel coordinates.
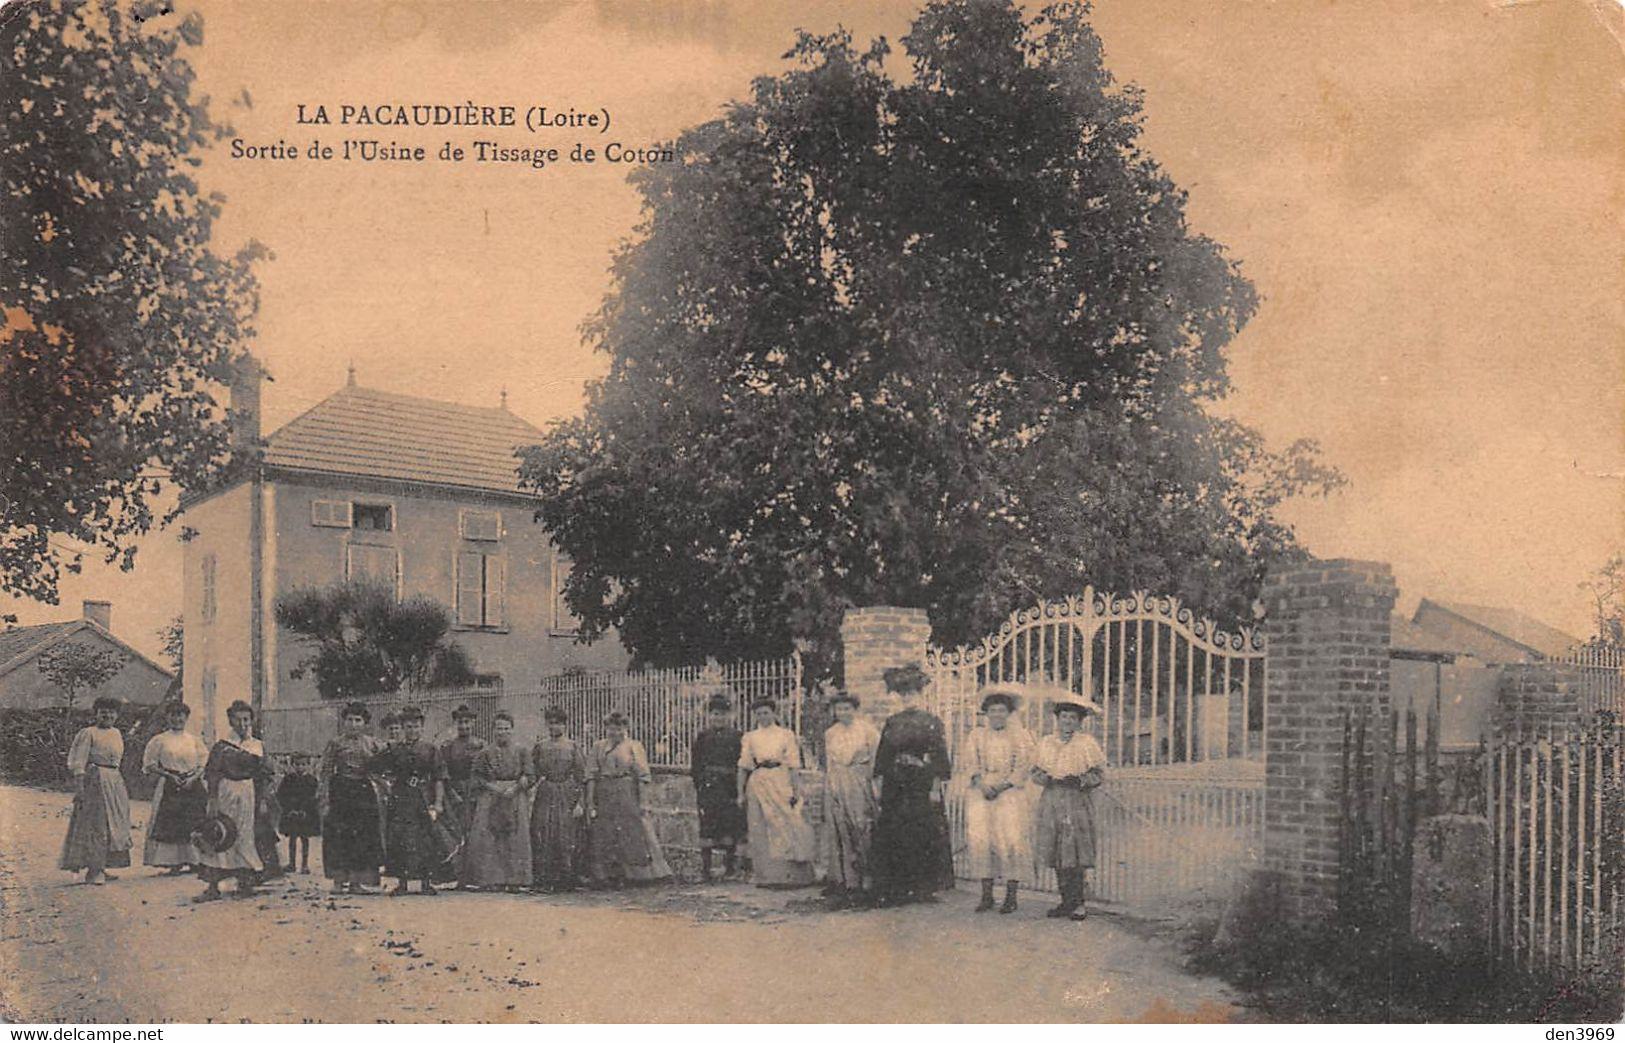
(696, 511)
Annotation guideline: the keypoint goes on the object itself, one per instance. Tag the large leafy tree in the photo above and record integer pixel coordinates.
(364, 642)
(116, 317)
(76, 667)
(943, 341)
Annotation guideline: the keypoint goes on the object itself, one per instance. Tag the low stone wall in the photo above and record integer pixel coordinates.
(677, 819)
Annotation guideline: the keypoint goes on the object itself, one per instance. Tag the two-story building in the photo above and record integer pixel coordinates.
(414, 493)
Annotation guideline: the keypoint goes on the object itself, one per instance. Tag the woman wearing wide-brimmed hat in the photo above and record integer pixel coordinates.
(782, 845)
(849, 800)
(622, 844)
(998, 759)
(1069, 765)
(352, 805)
(910, 852)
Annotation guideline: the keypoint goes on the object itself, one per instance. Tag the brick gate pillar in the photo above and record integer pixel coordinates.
(1329, 625)
(873, 641)
(1531, 698)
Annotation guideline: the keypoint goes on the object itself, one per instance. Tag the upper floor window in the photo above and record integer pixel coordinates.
(480, 525)
(376, 517)
(209, 606)
(347, 514)
(481, 589)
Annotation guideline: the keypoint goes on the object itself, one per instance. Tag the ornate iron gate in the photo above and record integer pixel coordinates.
(1183, 702)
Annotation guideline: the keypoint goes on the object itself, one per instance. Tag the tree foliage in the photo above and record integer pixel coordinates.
(1605, 591)
(364, 642)
(173, 635)
(116, 317)
(944, 341)
(75, 667)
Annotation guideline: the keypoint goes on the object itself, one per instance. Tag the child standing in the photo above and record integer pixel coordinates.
(301, 814)
(714, 764)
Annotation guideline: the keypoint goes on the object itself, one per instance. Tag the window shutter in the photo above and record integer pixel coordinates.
(496, 586)
(470, 588)
(334, 514)
(562, 617)
(485, 526)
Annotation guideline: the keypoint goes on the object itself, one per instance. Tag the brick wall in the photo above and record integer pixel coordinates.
(1536, 697)
(1328, 626)
(875, 640)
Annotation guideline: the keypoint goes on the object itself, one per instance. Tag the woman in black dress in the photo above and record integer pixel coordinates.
(352, 823)
(910, 852)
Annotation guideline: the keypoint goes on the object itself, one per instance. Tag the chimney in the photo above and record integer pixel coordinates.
(100, 613)
(244, 413)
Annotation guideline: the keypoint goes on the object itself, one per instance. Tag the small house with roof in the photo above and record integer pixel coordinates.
(22, 686)
(412, 493)
(1489, 633)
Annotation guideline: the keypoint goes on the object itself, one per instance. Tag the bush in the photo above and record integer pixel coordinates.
(1338, 973)
(34, 745)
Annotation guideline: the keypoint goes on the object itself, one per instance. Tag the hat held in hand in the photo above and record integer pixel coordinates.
(217, 833)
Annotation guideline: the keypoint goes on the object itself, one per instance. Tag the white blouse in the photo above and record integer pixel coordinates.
(180, 752)
(849, 744)
(999, 756)
(1060, 759)
(773, 743)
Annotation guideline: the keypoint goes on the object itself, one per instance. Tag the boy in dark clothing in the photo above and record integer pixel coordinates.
(714, 766)
(301, 814)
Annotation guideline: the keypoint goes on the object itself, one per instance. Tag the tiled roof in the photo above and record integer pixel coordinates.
(377, 434)
(1510, 624)
(1407, 636)
(14, 641)
(18, 645)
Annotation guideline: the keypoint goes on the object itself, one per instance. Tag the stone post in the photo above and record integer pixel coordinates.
(1533, 698)
(873, 641)
(1328, 626)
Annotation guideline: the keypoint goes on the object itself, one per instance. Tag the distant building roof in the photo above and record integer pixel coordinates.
(376, 434)
(19, 645)
(1409, 641)
(1509, 624)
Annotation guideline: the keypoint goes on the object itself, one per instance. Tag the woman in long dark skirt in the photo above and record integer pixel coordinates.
(352, 829)
(410, 848)
(910, 852)
(459, 791)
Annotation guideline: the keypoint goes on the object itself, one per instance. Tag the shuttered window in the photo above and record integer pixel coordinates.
(482, 590)
(333, 514)
(564, 620)
(484, 526)
(371, 564)
(210, 605)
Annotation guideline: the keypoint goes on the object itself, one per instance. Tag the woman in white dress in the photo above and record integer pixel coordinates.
(99, 826)
(998, 816)
(1069, 765)
(849, 800)
(782, 848)
(234, 763)
(180, 801)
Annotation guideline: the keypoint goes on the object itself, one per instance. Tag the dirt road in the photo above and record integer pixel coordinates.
(138, 950)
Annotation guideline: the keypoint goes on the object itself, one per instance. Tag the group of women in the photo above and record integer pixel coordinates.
(494, 816)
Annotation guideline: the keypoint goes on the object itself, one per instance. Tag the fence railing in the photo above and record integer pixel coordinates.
(666, 708)
(1557, 814)
(1602, 678)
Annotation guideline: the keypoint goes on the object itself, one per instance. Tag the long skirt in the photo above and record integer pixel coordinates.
(556, 834)
(782, 847)
(176, 812)
(352, 847)
(99, 829)
(267, 813)
(909, 851)
(1066, 828)
(455, 825)
(235, 800)
(622, 842)
(411, 850)
(499, 841)
(849, 812)
(998, 835)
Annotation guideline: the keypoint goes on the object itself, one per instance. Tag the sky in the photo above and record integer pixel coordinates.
(1426, 195)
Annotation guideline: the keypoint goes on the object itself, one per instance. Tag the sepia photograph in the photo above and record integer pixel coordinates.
(712, 512)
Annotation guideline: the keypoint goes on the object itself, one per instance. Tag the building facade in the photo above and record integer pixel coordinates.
(417, 495)
(22, 685)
